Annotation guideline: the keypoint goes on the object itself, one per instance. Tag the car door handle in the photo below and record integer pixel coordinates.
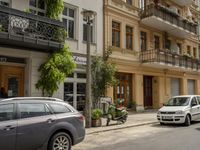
(50, 120)
(8, 128)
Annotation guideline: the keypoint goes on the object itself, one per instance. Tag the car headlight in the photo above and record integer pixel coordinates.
(179, 112)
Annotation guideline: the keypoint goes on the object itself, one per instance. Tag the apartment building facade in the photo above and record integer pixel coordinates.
(155, 47)
(26, 40)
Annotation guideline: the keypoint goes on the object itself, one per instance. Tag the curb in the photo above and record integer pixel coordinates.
(124, 127)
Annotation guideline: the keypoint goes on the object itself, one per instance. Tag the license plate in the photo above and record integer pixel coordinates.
(166, 117)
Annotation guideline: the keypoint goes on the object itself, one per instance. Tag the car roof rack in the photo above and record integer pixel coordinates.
(32, 98)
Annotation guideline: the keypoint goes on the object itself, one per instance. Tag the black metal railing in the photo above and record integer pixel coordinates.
(168, 15)
(166, 57)
(15, 22)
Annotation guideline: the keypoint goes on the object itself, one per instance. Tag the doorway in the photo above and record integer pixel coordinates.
(124, 88)
(12, 80)
(148, 95)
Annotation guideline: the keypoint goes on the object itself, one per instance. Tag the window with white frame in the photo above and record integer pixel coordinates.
(68, 18)
(5, 3)
(92, 27)
(37, 7)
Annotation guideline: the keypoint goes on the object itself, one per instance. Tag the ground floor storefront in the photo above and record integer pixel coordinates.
(19, 74)
(144, 87)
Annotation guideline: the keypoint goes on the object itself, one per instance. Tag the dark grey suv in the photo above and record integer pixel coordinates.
(38, 123)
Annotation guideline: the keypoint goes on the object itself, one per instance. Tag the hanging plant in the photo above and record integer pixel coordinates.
(54, 71)
(54, 8)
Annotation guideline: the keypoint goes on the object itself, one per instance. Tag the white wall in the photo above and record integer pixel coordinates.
(77, 45)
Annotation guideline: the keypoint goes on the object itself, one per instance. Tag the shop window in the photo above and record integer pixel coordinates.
(115, 34)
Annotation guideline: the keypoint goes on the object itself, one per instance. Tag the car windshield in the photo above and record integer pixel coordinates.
(178, 101)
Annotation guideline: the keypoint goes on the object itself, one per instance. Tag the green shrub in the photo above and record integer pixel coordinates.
(96, 114)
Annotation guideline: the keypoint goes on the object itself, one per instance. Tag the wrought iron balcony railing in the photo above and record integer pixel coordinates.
(165, 57)
(168, 15)
(18, 27)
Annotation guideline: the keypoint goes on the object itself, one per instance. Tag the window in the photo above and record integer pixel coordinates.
(179, 48)
(143, 41)
(69, 21)
(5, 3)
(115, 34)
(59, 108)
(33, 110)
(141, 4)
(156, 42)
(188, 50)
(85, 30)
(194, 52)
(37, 7)
(168, 44)
(198, 99)
(129, 37)
(6, 112)
(194, 102)
(129, 2)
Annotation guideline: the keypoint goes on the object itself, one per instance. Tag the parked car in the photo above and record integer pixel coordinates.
(180, 109)
(38, 123)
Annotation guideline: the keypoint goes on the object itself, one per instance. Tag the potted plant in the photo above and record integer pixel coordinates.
(96, 117)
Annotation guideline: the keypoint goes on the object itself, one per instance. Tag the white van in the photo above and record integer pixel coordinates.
(180, 109)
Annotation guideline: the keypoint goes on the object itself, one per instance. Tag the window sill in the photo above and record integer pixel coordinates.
(92, 43)
(71, 39)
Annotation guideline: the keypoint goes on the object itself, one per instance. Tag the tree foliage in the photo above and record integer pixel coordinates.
(54, 8)
(103, 76)
(55, 70)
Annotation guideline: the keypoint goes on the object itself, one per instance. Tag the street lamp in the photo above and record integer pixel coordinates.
(89, 16)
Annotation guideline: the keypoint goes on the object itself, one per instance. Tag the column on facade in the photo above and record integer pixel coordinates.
(197, 87)
(138, 93)
(184, 86)
(160, 89)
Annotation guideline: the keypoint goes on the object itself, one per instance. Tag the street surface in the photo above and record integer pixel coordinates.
(148, 137)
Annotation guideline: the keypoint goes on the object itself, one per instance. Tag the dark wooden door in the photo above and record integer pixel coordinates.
(148, 100)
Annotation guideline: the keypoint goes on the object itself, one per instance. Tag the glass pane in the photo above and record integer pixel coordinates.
(41, 4)
(80, 103)
(71, 13)
(81, 75)
(6, 4)
(71, 29)
(40, 13)
(65, 11)
(58, 108)
(6, 112)
(32, 110)
(68, 88)
(65, 23)
(13, 86)
(84, 32)
(32, 3)
(117, 39)
(81, 88)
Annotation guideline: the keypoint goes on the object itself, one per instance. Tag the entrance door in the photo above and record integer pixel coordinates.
(12, 79)
(148, 98)
(124, 89)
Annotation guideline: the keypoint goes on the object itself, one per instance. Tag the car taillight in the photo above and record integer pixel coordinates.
(82, 119)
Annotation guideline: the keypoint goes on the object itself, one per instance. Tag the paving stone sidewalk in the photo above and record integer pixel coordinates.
(134, 119)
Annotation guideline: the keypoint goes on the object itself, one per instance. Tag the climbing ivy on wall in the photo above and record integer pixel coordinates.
(54, 8)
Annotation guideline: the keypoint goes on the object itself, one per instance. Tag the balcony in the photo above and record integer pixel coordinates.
(184, 2)
(25, 30)
(167, 60)
(166, 20)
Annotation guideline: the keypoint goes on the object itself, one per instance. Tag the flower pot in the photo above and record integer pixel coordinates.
(96, 122)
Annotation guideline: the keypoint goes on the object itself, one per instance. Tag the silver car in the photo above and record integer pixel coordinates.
(38, 123)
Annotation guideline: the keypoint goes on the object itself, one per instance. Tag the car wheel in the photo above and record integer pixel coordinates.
(187, 120)
(60, 141)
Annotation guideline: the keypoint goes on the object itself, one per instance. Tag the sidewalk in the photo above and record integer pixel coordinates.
(134, 119)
